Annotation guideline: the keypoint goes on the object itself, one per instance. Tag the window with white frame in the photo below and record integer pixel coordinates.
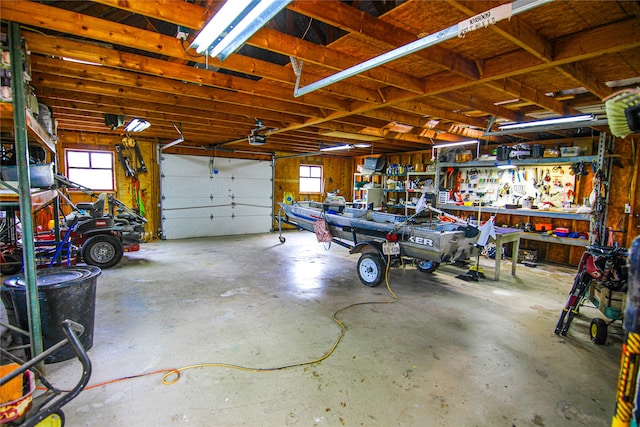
(310, 179)
(92, 169)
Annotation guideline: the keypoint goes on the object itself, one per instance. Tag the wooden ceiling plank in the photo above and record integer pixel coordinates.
(473, 101)
(161, 84)
(587, 79)
(518, 90)
(180, 13)
(361, 24)
(179, 106)
(127, 61)
(128, 94)
(39, 15)
(309, 52)
(515, 29)
(271, 40)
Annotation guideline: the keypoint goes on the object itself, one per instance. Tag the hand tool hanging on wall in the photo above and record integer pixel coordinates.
(124, 161)
(133, 163)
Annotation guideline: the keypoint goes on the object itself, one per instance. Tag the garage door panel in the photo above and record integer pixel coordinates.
(247, 203)
(241, 168)
(232, 197)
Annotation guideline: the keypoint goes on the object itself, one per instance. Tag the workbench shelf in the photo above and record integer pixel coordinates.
(399, 195)
(35, 131)
(544, 161)
(540, 241)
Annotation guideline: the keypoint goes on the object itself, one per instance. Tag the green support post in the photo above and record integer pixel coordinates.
(24, 187)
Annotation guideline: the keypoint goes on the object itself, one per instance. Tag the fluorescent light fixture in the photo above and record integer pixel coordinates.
(80, 61)
(233, 24)
(560, 120)
(345, 147)
(137, 125)
(456, 144)
(337, 148)
(507, 165)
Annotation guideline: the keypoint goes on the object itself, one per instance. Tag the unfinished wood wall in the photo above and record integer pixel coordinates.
(337, 175)
(149, 182)
(623, 190)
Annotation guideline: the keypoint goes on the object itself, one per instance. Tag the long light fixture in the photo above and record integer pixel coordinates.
(547, 122)
(435, 147)
(345, 147)
(456, 144)
(507, 165)
(137, 125)
(233, 24)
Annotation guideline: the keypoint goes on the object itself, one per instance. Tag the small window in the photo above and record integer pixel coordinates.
(92, 169)
(310, 179)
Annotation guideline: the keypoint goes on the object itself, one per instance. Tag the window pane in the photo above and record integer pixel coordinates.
(316, 171)
(101, 160)
(310, 179)
(77, 159)
(96, 179)
(92, 169)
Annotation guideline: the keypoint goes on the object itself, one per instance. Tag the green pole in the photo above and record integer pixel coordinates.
(24, 185)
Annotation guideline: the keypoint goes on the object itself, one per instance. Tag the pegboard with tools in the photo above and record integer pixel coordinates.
(525, 186)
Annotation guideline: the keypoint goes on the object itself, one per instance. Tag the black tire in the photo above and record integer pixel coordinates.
(425, 266)
(12, 264)
(282, 239)
(102, 250)
(371, 269)
(598, 331)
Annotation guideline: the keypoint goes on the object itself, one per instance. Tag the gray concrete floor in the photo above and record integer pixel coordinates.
(447, 353)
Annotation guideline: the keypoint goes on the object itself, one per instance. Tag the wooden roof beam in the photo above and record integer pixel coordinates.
(360, 24)
(284, 44)
(518, 90)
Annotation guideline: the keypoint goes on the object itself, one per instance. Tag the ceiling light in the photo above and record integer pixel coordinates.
(338, 147)
(233, 24)
(560, 120)
(137, 125)
(456, 144)
(80, 61)
(507, 165)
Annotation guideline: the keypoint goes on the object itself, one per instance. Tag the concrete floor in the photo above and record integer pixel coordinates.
(447, 353)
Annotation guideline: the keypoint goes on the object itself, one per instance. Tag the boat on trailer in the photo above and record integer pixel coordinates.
(383, 238)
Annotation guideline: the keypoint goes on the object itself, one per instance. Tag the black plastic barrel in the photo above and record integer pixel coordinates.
(63, 293)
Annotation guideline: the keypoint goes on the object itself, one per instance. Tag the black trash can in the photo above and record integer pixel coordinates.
(63, 293)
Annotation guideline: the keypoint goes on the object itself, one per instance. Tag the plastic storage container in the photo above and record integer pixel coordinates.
(41, 175)
(63, 293)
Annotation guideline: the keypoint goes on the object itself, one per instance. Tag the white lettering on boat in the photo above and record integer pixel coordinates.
(421, 241)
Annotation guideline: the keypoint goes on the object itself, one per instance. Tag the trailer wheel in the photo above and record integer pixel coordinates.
(427, 266)
(371, 269)
(102, 250)
(598, 331)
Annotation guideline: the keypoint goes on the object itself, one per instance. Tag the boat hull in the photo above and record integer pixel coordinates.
(432, 241)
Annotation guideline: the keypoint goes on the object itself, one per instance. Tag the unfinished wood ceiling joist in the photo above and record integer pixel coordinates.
(135, 66)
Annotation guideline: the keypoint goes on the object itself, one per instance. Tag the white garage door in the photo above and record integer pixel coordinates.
(203, 196)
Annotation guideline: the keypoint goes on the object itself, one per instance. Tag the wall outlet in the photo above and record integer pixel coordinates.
(627, 208)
